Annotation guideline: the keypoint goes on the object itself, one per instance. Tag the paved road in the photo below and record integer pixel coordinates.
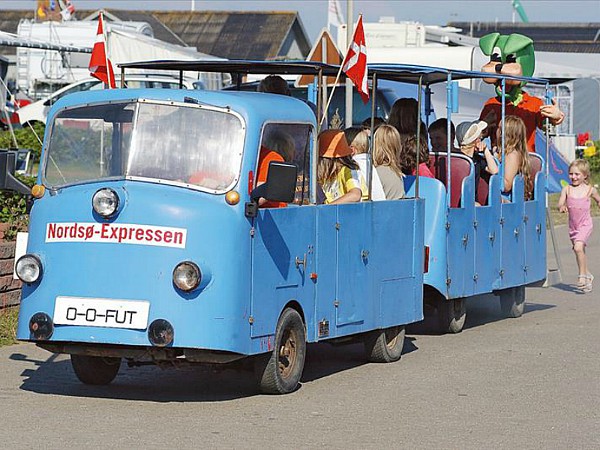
(531, 383)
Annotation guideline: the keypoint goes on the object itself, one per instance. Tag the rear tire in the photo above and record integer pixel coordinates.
(279, 372)
(452, 315)
(385, 346)
(512, 301)
(95, 370)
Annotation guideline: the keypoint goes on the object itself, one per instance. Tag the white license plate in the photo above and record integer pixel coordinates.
(101, 312)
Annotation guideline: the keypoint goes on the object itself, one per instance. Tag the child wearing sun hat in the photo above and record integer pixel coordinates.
(468, 135)
(337, 173)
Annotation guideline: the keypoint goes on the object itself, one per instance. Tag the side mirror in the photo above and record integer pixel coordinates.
(279, 187)
(7, 173)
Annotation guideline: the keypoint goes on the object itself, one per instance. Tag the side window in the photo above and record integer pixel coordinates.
(292, 143)
(134, 84)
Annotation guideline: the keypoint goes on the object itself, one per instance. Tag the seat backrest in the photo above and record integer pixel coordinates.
(460, 167)
(535, 162)
(483, 189)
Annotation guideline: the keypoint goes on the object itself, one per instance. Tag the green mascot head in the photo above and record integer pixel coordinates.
(509, 55)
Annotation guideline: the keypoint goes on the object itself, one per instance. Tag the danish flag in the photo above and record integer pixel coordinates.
(355, 62)
(100, 66)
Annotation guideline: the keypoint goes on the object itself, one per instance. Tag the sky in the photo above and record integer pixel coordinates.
(313, 13)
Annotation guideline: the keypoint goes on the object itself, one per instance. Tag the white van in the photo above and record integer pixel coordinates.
(37, 111)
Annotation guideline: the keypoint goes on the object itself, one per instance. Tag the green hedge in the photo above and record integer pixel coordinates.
(12, 205)
(26, 139)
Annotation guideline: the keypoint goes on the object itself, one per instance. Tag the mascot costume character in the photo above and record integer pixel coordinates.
(514, 55)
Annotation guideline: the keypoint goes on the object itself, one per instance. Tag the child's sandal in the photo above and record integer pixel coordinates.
(588, 286)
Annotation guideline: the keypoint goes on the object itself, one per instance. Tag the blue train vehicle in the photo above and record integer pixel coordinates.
(146, 242)
(495, 246)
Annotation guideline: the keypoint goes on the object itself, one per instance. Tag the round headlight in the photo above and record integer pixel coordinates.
(28, 268)
(105, 202)
(187, 276)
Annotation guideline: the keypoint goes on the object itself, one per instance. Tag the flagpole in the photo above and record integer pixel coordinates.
(349, 36)
(337, 78)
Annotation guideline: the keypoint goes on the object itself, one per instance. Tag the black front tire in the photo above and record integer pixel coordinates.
(279, 372)
(452, 315)
(512, 301)
(385, 346)
(95, 370)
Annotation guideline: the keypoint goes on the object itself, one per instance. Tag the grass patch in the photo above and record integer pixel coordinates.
(8, 325)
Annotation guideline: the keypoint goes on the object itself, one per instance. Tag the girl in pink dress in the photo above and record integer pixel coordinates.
(575, 199)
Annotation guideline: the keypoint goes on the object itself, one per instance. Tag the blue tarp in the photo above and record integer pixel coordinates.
(558, 166)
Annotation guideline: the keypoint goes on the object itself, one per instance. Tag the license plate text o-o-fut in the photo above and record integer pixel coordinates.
(91, 315)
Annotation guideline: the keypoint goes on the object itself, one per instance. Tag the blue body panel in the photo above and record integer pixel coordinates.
(480, 249)
(352, 267)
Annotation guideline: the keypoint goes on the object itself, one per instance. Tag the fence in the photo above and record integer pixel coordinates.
(10, 289)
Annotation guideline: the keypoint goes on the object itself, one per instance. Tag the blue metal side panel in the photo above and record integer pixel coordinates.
(487, 240)
(535, 233)
(433, 193)
(461, 243)
(513, 238)
(284, 238)
(369, 265)
(397, 258)
(214, 317)
(326, 267)
(353, 287)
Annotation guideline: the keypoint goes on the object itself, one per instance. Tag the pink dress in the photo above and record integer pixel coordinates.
(580, 219)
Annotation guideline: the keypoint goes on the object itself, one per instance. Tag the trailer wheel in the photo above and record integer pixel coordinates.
(512, 301)
(95, 370)
(452, 315)
(384, 346)
(279, 372)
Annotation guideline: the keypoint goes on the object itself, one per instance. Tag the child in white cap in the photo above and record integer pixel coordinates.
(468, 135)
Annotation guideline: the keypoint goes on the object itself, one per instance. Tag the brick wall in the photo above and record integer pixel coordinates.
(10, 290)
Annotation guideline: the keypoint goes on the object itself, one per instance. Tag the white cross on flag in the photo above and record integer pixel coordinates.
(355, 62)
(100, 66)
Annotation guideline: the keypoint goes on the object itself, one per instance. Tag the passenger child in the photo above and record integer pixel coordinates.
(274, 84)
(358, 139)
(337, 173)
(468, 135)
(404, 116)
(575, 200)
(438, 136)
(277, 146)
(516, 155)
(387, 143)
(366, 124)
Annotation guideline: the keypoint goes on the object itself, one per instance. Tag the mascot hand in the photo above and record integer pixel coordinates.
(552, 112)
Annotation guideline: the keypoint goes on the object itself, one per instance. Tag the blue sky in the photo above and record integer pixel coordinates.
(313, 13)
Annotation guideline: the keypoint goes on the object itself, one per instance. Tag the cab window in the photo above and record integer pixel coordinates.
(289, 143)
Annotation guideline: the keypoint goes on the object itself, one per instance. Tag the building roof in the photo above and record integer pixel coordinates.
(228, 34)
(239, 35)
(548, 37)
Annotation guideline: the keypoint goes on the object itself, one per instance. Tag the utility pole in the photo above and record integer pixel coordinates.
(349, 36)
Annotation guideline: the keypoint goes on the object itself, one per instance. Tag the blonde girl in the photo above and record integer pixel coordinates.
(386, 147)
(575, 200)
(337, 173)
(358, 139)
(516, 155)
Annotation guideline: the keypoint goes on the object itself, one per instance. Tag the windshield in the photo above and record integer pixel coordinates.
(171, 142)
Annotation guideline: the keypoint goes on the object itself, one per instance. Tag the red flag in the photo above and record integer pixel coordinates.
(355, 62)
(100, 66)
